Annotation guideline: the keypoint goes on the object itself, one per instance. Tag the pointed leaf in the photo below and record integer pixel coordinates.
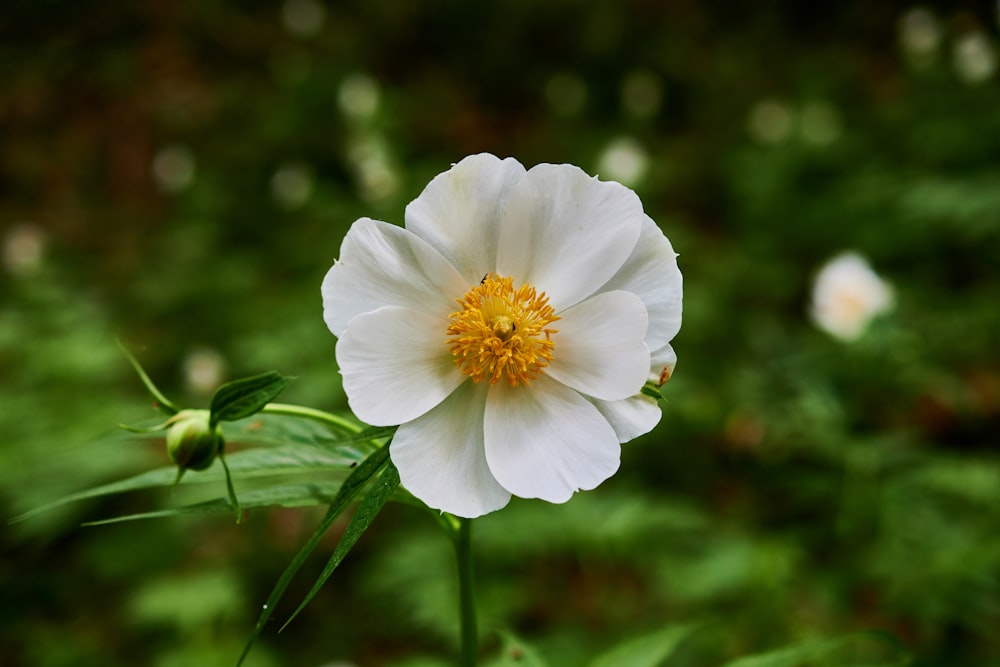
(350, 488)
(242, 398)
(287, 460)
(823, 653)
(286, 495)
(646, 651)
(369, 508)
(162, 403)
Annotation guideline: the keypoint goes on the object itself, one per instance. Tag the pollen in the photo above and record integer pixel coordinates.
(502, 332)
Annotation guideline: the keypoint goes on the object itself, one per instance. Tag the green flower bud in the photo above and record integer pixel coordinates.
(192, 441)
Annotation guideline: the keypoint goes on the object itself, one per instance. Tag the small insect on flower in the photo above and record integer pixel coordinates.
(509, 330)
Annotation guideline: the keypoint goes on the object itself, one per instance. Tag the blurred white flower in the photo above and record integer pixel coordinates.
(173, 168)
(847, 295)
(624, 160)
(204, 369)
(292, 185)
(975, 58)
(567, 296)
(373, 166)
(919, 36)
(770, 122)
(358, 96)
(23, 249)
(303, 18)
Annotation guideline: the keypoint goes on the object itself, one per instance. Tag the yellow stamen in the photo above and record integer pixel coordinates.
(502, 332)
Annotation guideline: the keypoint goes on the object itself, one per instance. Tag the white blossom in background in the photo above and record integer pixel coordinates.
(173, 168)
(975, 58)
(24, 249)
(770, 122)
(358, 96)
(204, 370)
(303, 18)
(623, 160)
(374, 169)
(509, 330)
(292, 185)
(919, 36)
(847, 295)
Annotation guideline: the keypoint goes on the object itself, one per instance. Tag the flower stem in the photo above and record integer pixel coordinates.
(467, 598)
(311, 413)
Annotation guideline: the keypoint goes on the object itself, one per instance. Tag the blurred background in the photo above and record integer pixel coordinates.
(180, 174)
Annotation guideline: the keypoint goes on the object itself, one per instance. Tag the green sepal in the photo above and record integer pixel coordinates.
(356, 481)
(162, 403)
(145, 429)
(241, 398)
(653, 391)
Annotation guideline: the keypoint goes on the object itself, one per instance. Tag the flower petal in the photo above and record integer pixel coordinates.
(651, 272)
(599, 350)
(567, 233)
(384, 265)
(442, 460)
(395, 365)
(544, 440)
(630, 417)
(662, 363)
(459, 212)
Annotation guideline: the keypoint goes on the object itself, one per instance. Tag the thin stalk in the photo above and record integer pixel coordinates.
(466, 594)
(312, 413)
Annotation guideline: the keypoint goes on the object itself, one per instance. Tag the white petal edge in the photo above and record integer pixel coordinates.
(662, 363)
(599, 348)
(395, 365)
(544, 440)
(651, 272)
(567, 233)
(459, 212)
(384, 265)
(441, 457)
(630, 417)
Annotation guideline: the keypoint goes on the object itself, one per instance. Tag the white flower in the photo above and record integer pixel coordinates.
(508, 330)
(847, 295)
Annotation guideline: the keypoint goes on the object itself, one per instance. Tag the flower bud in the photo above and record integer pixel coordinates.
(192, 440)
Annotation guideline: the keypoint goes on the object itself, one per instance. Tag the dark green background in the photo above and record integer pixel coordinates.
(797, 487)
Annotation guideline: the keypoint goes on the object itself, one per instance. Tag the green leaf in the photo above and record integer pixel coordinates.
(350, 488)
(516, 653)
(286, 495)
(242, 398)
(647, 651)
(287, 460)
(161, 401)
(369, 508)
(829, 652)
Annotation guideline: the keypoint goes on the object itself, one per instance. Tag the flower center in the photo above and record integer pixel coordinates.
(502, 332)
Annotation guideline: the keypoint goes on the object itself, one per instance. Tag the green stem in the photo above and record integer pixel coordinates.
(311, 413)
(467, 598)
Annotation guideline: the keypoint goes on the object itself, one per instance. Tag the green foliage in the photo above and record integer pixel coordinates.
(180, 176)
(242, 398)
